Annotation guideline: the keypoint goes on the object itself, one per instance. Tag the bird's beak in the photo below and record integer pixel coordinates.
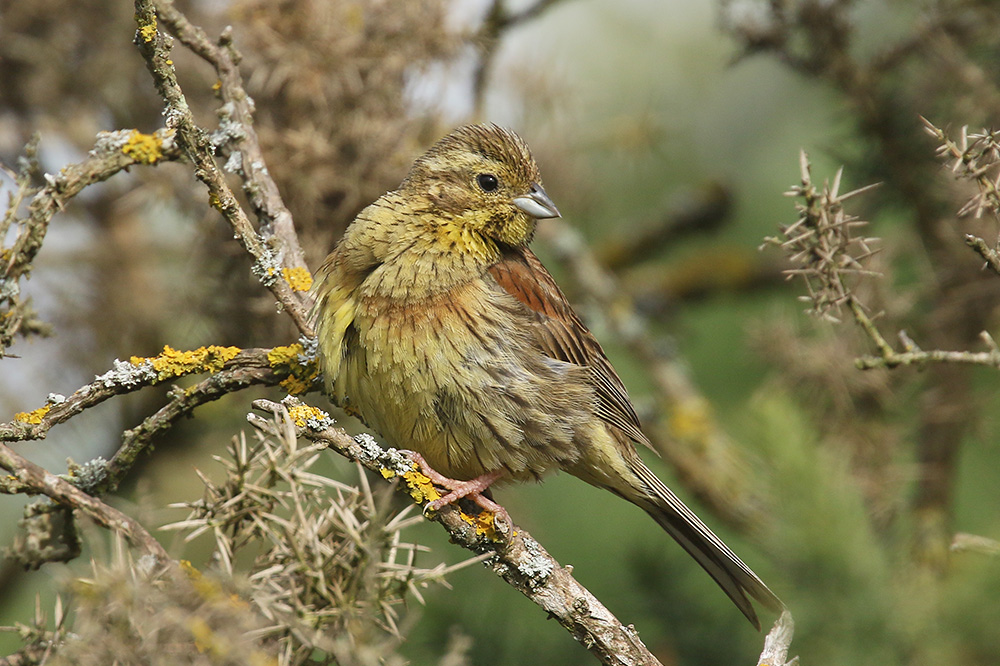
(537, 204)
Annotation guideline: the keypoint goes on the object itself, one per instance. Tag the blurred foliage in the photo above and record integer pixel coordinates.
(642, 115)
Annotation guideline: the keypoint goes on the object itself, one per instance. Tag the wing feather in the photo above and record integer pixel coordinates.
(561, 335)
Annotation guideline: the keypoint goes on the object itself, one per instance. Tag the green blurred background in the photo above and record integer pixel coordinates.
(634, 109)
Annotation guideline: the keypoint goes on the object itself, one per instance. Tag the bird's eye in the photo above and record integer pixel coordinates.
(488, 182)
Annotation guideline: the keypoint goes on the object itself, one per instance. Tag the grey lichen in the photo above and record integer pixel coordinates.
(127, 375)
(370, 448)
(267, 268)
(538, 566)
(88, 476)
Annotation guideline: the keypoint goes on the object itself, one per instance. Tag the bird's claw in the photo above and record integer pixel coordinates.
(472, 489)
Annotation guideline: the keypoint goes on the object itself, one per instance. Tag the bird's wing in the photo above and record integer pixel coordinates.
(561, 335)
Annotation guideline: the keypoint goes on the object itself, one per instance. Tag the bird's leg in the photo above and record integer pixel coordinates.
(473, 489)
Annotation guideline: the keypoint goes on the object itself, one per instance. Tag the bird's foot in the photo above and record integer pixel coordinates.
(472, 489)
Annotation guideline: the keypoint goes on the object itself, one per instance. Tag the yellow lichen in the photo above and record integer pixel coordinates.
(207, 588)
(288, 359)
(201, 632)
(485, 524)
(284, 355)
(189, 569)
(420, 487)
(34, 417)
(148, 31)
(143, 148)
(174, 363)
(299, 279)
(302, 414)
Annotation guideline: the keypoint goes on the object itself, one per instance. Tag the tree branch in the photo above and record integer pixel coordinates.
(278, 259)
(112, 152)
(498, 20)
(989, 255)
(33, 479)
(517, 558)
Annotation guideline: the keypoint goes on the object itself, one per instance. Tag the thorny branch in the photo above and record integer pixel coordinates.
(821, 244)
(514, 555)
(975, 157)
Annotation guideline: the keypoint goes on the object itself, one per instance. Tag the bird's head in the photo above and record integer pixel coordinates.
(483, 178)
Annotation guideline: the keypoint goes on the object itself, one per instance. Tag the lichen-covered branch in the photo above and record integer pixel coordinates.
(278, 261)
(515, 556)
(35, 480)
(126, 377)
(230, 370)
(241, 138)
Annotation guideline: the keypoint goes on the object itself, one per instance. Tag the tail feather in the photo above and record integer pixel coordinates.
(624, 473)
(735, 578)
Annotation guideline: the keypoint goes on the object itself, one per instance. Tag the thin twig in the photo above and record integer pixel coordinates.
(498, 20)
(777, 643)
(963, 542)
(112, 153)
(989, 255)
(276, 225)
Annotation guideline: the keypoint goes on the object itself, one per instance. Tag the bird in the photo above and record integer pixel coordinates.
(440, 327)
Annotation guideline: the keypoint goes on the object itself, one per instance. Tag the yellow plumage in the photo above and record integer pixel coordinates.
(441, 328)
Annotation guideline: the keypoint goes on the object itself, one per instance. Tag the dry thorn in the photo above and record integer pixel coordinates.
(520, 560)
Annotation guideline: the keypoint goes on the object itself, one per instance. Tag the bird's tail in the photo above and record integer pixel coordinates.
(646, 491)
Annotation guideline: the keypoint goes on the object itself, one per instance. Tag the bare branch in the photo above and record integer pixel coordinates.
(893, 359)
(498, 20)
(989, 255)
(112, 153)
(974, 543)
(777, 642)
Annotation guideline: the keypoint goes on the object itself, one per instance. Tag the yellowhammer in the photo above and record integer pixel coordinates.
(438, 324)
